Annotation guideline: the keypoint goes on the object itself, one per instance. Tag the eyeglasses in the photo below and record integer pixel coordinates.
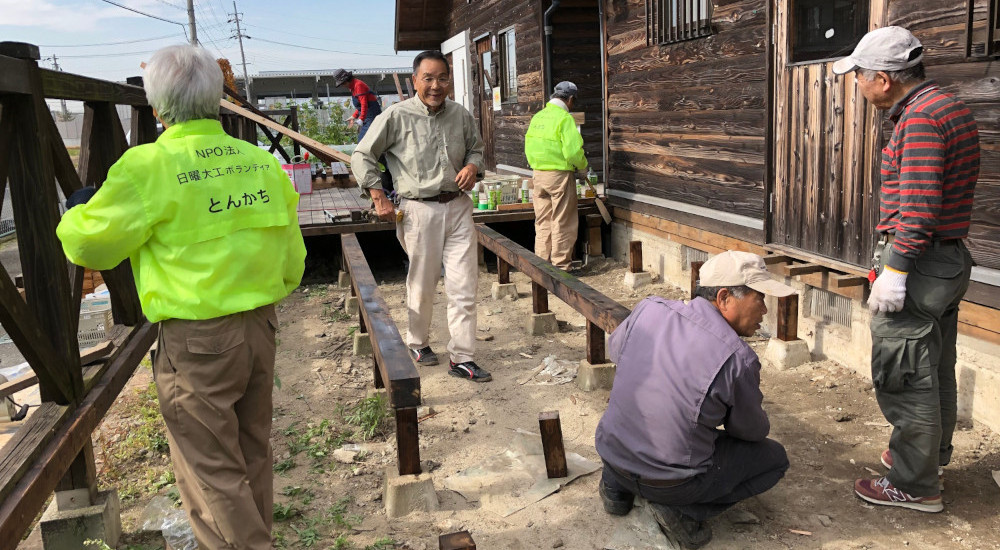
(444, 80)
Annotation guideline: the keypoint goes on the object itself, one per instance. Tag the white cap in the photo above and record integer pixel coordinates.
(885, 49)
(733, 268)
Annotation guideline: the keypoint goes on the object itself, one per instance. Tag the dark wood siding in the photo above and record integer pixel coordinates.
(688, 120)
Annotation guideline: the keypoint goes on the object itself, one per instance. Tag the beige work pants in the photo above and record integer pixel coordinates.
(214, 380)
(434, 234)
(556, 221)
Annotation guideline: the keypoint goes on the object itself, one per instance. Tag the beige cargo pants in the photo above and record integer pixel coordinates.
(434, 234)
(556, 221)
(214, 380)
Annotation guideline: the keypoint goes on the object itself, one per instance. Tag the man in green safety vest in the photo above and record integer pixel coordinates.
(210, 225)
(554, 148)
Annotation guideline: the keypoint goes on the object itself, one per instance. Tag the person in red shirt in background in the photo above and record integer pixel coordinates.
(366, 103)
(366, 107)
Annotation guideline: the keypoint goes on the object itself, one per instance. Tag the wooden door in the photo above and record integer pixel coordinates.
(825, 140)
(484, 53)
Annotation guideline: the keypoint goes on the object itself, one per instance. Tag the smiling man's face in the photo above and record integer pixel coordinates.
(432, 82)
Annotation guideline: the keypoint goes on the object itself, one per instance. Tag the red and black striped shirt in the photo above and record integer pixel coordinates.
(929, 172)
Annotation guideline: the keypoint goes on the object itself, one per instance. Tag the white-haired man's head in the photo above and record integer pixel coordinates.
(183, 83)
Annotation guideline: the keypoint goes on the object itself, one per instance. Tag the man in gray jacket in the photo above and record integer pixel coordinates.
(683, 371)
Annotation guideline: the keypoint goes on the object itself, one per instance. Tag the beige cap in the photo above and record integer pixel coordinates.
(733, 268)
(885, 49)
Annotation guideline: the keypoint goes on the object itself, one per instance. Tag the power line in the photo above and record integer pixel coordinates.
(171, 5)
(319, 49)
(107, 43)
(109, 54)
(141, 12)
(299, 35)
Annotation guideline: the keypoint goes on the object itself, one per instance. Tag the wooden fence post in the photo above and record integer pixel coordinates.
(788, 318)
(635, 256)
(596, 354)
(503, 271)
(539, 298)
(407, 441)
(552, 444)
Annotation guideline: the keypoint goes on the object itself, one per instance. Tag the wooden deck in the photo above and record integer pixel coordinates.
(340, 202)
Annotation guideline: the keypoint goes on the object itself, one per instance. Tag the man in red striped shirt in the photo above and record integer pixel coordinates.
(929, 172)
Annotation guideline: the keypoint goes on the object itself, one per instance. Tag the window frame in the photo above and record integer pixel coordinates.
(660, 33)
(798, 57)
(507, 79)
(991, 44)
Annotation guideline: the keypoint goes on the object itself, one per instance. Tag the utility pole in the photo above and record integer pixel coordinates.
(55, 65)
(239, 35)
(191, 23)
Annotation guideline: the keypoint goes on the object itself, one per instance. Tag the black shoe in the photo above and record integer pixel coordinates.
(470, 371)
(616, 503)
(689, 532)
(424, 356)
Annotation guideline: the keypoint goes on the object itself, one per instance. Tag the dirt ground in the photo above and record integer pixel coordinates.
(824, 414)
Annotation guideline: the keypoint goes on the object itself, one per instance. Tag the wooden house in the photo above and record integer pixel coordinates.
(718, 124)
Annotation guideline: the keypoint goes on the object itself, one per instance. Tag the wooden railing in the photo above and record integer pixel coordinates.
(602, 313)
(52, 449)
(394, 369)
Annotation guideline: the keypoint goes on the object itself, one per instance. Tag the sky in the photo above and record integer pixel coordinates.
(99, 39)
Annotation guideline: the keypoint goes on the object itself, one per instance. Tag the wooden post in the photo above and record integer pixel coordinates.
(407, 441)
(695, 273)
(595, 344)
(503, 271)
(635, 256)
(552, 444)
(294, 121)
(594, 245)
(461, 540)
(788, 318)
(539, 298)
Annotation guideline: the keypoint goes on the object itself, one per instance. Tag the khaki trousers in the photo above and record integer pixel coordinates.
(556, 221)
(214, 380)
(434, 234)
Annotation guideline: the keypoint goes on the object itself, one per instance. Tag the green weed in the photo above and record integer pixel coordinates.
(370, 416)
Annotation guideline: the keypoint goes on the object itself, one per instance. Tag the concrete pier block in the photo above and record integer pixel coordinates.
(344, 279)
(542, 323)
(405, 494)
(501, 291)
(784, 355)
(362, 343)
(595, 377)
(69, 527)
(637, 280)
(351, 305)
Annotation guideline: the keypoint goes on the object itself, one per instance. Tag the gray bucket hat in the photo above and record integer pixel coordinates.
(566, 88)
(340, 76)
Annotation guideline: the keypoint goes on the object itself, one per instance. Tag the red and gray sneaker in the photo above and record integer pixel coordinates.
(470, 371)
(424, 356)
(880, 491)
(887, 462)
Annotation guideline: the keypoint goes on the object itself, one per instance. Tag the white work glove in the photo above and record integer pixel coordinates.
(888, 292)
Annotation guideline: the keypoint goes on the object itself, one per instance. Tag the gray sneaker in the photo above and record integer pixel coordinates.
(470, 371)
(424, 356)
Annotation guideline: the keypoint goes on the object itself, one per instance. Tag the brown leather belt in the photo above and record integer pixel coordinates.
(447, 196)
(649, 482)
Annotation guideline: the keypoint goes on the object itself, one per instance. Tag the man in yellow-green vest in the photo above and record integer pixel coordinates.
(209, 223)
(554, 148)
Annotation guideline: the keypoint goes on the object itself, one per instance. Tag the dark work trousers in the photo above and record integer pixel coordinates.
(913, 365)
(740, 469)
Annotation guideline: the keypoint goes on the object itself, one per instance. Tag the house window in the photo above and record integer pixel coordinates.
(508, 66)
(678, 20)
(825, 29)
(982, 29)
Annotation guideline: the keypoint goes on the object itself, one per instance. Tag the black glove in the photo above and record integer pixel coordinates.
(80, 196)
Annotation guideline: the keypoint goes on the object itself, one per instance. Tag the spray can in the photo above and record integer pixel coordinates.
(484, 198)
(579, 188)
(524, 191)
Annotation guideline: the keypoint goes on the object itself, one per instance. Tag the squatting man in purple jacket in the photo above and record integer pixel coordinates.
(683, 372)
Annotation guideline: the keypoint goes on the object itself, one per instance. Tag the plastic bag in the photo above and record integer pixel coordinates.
(161, 515)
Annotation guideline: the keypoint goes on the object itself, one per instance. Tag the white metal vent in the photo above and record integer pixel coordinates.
(693, 255)
(829, 306)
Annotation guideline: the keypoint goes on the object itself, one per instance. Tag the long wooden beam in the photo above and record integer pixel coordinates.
(320, 150)
(398, 373)
(596, 307)
(27, 494)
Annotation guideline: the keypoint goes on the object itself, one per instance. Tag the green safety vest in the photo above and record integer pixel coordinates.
(209, 222)
(553, 141)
